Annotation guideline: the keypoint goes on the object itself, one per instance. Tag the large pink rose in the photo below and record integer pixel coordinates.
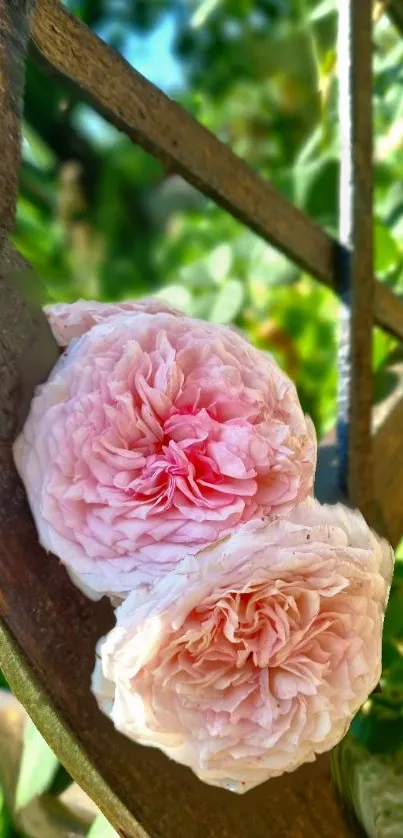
(251, 658)
(154, 435)
(71, 320)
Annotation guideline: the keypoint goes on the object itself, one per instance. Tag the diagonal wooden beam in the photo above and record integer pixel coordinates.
(166, 130)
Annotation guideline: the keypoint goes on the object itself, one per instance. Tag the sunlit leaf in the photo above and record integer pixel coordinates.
(177, 296)
(204, 9)
(219, 262)
(387, 253)
(228, 302)
(101, 828)
(323, 9)
(38, 767)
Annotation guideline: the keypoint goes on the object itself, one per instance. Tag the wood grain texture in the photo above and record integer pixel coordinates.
(134, 105)
(388, 467)
(27, 349)
(388, 452)
(356, 272)
(14, 32)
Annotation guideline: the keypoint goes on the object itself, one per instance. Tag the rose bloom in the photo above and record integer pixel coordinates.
(251, 658)
(154, 435)
(71, 320)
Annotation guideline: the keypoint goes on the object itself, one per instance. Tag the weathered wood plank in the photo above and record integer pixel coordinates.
(388, 467)
(14, 33)
(167, 131)
(27, 349)
(388, 310)
(388, 452)
(18, 323)
(356, 273)
(387, 442)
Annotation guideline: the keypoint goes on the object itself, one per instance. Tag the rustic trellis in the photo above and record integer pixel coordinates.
(47, 628)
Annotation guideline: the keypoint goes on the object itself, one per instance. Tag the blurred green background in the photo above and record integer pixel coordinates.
(99, 218)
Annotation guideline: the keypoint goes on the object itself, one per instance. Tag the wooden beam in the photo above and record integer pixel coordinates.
(356, 283)
(388, 452)
(14, 33)
(388, 460)
(170, 133)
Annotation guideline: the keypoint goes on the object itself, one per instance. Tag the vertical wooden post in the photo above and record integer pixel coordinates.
(356, 270)
(14, 33)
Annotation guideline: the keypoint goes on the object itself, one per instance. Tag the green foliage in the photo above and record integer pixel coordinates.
(38, 767)
(99, 218)
(101, 828)
(5, 820)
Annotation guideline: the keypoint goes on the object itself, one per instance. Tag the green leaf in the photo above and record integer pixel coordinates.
(317, 188)
(61, 782)
(379, 727)
(203, 12)
(101, 828)
(387, 253)
(228, 302)
(393, 625)
(327, 7)
(395, 678)
(219, 262)
(176, 296)
(37, 769)
(370, 787)
(5, 822)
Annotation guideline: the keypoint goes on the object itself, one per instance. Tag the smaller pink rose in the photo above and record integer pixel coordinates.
(251, 658)
(69, 321)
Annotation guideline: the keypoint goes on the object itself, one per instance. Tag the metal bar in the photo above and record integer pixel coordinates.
(167, 131)
(356, 270)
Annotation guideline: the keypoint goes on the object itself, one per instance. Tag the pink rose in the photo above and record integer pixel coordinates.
(71, 320)
(248, 660)
(155, 435)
